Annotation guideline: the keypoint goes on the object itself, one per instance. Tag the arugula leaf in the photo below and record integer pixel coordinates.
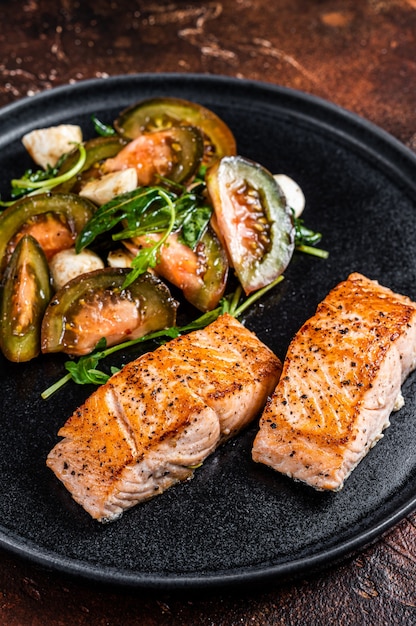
(104, 130)
(41, 181)
(194, 225)
(149, 210)
(306, 240)
(84, 371)
(148, 257)
(129, 206)
(81, 373)
(21, 186)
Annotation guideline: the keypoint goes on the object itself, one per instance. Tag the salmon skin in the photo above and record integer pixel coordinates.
(158, 418)
(341, 380)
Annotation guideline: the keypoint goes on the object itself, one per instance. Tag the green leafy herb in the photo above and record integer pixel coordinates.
(306, 240)
(145, 211)
(41, 181)
(84, 371)
(129, 206)
(148, 256)
(104, 130)
(194, 225)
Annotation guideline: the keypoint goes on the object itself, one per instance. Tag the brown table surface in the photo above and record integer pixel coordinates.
(360, 55)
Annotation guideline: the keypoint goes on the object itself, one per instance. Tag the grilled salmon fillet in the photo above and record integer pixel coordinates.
(341, 380)
(162, 415)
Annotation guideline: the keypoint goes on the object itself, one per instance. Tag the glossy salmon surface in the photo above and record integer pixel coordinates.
(158, 418)
(340, 382)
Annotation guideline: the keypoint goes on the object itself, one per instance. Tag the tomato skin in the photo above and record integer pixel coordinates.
(214, 263)
(51, 231)
(201, 274)
(173, 153)
(26, 294)
(71, 210)
(161, 113)
(253, 220)
(95, 305)
(97, 150)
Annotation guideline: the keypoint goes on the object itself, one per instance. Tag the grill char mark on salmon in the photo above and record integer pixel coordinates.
(341, 380)
(162, 415)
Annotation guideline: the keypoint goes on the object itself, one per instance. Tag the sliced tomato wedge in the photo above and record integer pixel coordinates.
(97, 150)
(163, 113)
(95, 305)
(25, 296)
(253, 220)
(201, 273)
(173, 153)
(54, 219)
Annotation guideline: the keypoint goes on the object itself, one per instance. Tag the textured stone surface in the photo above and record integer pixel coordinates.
(357, 54)
(360, 55)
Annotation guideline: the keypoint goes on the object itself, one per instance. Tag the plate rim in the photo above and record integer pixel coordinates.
(281, 573)
(355, 119)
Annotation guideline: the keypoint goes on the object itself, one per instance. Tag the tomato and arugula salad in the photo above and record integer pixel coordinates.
(102, 244)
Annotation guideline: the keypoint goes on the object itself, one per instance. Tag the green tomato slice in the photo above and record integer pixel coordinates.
(253, 220)
(163, 113)
(173, 153)
(55, 213)
(97, 150)
(95, 305)
(26, 294)
(200, 273)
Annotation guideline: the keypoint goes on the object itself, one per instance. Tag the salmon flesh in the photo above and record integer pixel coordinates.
(340, 382)
(158, 418)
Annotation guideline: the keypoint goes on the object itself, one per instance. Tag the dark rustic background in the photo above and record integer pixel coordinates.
(360, 55)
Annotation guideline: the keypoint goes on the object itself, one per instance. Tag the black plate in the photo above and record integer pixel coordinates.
(236, 521)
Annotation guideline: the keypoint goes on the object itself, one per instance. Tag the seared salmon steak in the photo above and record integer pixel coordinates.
(340, 382)
(158, 418)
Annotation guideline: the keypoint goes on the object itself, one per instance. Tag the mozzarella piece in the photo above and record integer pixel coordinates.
(102, 190)
(47, 145)
(292, 192)
(119, 258)
(67, 264)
